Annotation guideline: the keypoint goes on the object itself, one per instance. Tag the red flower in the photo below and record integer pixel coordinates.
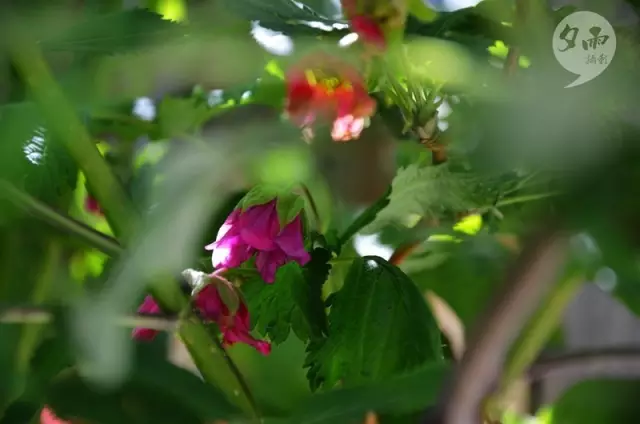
(92, 205)
(235, 328)
(366, 26)
(326, 89)
(369, 31)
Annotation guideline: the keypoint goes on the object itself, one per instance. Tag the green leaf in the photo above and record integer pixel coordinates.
(379, 325)
(429, 191)
(405, 393)
(284, 305)
(178, 117)
(289, 206)
(117, 32)
(259, 195)
(464, 274)
(156, 391)
(599, 402)
(422, 11)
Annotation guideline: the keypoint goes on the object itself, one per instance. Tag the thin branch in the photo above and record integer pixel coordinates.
(620, 361)
(94, 238)
(513, 56)
(34, 315)
(480, 367)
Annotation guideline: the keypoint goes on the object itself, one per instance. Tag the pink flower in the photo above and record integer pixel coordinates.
(234, 327)
(347, 128)
(48, 417)
(148, 307)
(257, 231)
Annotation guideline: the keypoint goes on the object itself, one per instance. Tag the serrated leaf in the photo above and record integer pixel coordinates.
(178, 117)
(379, 326)
(288, 207)
(284, 305)
(422, 11)
(427, 192)
(117, 32)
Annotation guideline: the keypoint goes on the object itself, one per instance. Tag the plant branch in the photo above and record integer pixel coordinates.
(535, 335)
(94, 238)
(624, 361)
(531, 276)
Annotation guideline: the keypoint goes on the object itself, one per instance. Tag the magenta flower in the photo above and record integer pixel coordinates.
(148, 307)
(234, 327)
(257, 231)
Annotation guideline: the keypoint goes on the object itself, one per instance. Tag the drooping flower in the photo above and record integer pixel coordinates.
(233, 326)
(323, 88)
(257, 231)
(47, 416)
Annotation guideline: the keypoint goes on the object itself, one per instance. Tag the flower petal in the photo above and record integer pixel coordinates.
(259, 226)
(268, 264)
(291, 241)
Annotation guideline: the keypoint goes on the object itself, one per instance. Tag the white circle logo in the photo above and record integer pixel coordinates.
(584, 43)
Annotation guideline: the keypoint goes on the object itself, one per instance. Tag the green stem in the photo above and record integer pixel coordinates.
(66, 126)
(526, 198)
(535, 335)
(365, 218)
(30, 204)
(118, 208)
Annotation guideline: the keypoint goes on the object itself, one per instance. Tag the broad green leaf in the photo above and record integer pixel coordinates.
(400, 394)
(289, 206)
(599, 402)
(379, 325)
(288, 303)
(156, 391)
(421, 10)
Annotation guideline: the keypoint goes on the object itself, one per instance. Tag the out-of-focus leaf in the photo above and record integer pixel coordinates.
(156, 391)
(409, 392)
(116, 32)
(284, 305)
(178, 117)
(421, 10)
(599, 402)
(280, 15)
(465, 275)
(379, 325)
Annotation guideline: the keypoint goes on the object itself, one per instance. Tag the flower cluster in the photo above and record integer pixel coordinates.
(255, 231)
(326, 89)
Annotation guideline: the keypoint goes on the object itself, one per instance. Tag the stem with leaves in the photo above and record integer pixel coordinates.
(117, 206)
